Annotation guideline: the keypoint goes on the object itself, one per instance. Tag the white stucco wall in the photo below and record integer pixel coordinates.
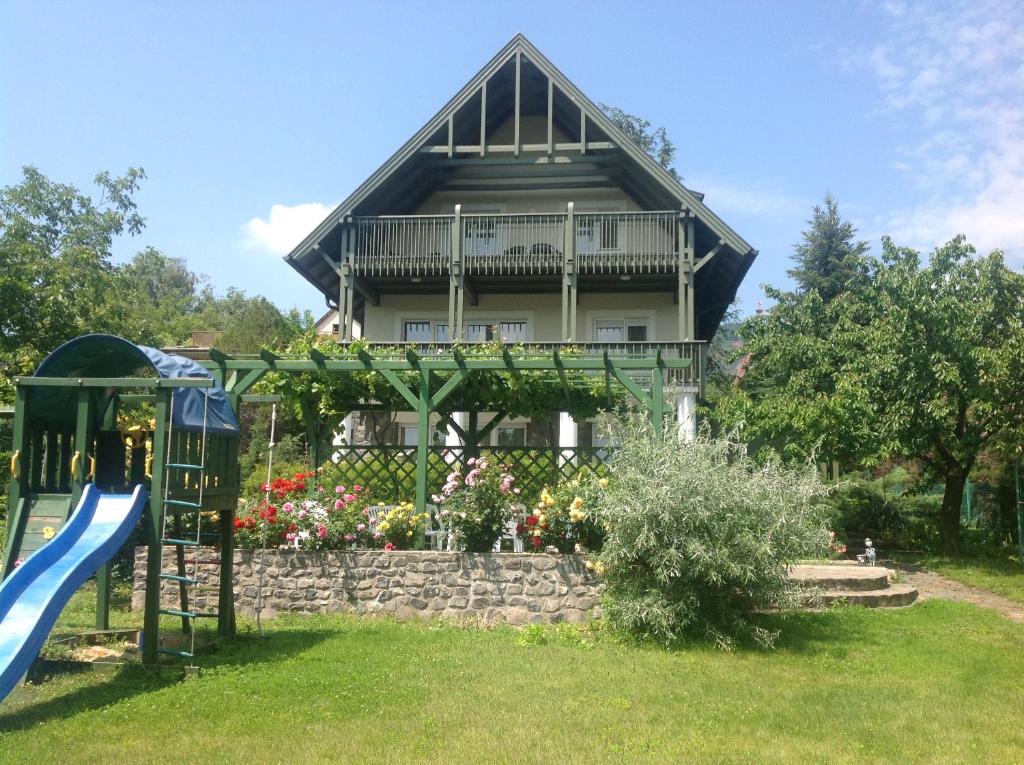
(541, 311)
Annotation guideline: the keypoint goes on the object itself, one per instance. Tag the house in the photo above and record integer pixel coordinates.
(520, 212)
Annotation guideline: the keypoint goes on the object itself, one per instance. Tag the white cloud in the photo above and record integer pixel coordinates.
(956, 72)
(285, 227)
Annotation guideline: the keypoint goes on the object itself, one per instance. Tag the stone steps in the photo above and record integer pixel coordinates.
(868, 586)
(891, 596)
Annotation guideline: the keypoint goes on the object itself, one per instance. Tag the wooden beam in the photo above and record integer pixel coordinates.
(551, 116)
(583, 130)
(483, 119)
(711, 253)
(519, 67)
(451, 135)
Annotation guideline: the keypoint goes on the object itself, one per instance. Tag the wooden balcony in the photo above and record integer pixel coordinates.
(517, 245)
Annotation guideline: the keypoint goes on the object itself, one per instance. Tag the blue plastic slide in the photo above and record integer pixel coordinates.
(34, 594)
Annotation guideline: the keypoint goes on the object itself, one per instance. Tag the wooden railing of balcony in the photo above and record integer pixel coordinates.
(465, 248)
(512, 245)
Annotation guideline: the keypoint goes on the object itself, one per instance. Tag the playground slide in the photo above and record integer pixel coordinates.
(34, 594)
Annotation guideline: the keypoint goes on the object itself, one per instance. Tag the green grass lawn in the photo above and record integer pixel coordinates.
(939, 682)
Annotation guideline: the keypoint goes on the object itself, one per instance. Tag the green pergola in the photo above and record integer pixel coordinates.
(237, 374)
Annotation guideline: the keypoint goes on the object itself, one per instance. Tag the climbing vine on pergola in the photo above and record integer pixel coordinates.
(323, 382)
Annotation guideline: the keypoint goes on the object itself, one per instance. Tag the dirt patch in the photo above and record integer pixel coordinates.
(932, 585)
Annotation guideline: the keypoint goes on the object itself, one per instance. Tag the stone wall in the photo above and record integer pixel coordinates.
(515, 588)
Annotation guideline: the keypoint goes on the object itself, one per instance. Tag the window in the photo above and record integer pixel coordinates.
(441, 332)
(408, 435)
(479, 333)
(510, 436)
(417, 332)
(512, 331)
(618, 330)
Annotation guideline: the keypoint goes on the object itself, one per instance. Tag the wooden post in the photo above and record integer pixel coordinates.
(691, 295)
(455, 328)
(16, 515)
(423, 440)
(83, 410)
(569, 274)
(154, 551)
(226, 596)
(483, 119)
(346, 286)
(658, 399)
(551, 116)
(519, 66)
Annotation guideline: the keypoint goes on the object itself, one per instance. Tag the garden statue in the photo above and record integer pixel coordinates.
(868, 558)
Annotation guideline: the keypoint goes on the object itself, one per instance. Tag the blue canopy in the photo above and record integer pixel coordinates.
(112, 356)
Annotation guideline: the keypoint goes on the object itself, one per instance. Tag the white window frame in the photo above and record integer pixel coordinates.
(490, 318)
(518, 426)
(626, 318)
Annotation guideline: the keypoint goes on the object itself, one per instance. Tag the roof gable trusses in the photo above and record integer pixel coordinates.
(458, 144)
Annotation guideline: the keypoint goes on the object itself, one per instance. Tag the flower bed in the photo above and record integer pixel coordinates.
(474, 511)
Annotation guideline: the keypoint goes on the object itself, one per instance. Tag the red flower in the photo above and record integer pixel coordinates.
(531, 520)
(357, 488)
(239, 523)
(519, 528)
(536, 541)
(389, 547)
(293, 527)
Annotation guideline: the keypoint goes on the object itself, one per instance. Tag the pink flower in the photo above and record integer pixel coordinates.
(471, 461)
(290, 536)
(350, 497)
(18, 562)
(321, 531)
(366, 512)
(389, 546)
(436, 498)
(357, 488)
(302, 515)
(350, 537)
(339, 489)
(360, 527)
(287, 507)
(471, 477)
(454, 477)
(339, 504)
(377, 534)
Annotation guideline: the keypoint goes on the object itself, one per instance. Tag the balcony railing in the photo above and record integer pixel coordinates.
(511, 245)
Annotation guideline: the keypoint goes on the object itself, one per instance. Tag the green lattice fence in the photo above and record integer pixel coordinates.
(390, 471)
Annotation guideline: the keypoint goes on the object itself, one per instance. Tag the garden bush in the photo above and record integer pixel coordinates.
(699, 537)
(477, 506)
(563, 517)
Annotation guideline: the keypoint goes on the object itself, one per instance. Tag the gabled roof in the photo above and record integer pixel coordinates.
(686, 198)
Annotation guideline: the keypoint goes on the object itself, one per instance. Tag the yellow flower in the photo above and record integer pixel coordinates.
(549, 501)
(603, 483)
(409, 533)
(536, 533)
(577, 503)
(215, 518)
(384, 526)
(542, 519)
(49, 532)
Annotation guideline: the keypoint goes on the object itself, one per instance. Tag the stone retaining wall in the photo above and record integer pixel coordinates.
(515, 588)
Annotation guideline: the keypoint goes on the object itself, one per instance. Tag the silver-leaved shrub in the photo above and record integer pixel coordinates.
(700, 537)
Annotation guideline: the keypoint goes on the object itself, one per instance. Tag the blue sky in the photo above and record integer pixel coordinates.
(252, 119)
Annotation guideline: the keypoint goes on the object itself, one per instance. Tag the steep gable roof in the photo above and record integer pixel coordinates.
(685, 198)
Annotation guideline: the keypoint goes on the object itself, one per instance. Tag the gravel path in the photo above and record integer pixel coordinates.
(932, 585)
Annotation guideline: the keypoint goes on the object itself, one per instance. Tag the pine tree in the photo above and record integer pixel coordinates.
(829, 258)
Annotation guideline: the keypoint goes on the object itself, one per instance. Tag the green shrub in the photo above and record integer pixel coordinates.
(699, 537)
(882, 509)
